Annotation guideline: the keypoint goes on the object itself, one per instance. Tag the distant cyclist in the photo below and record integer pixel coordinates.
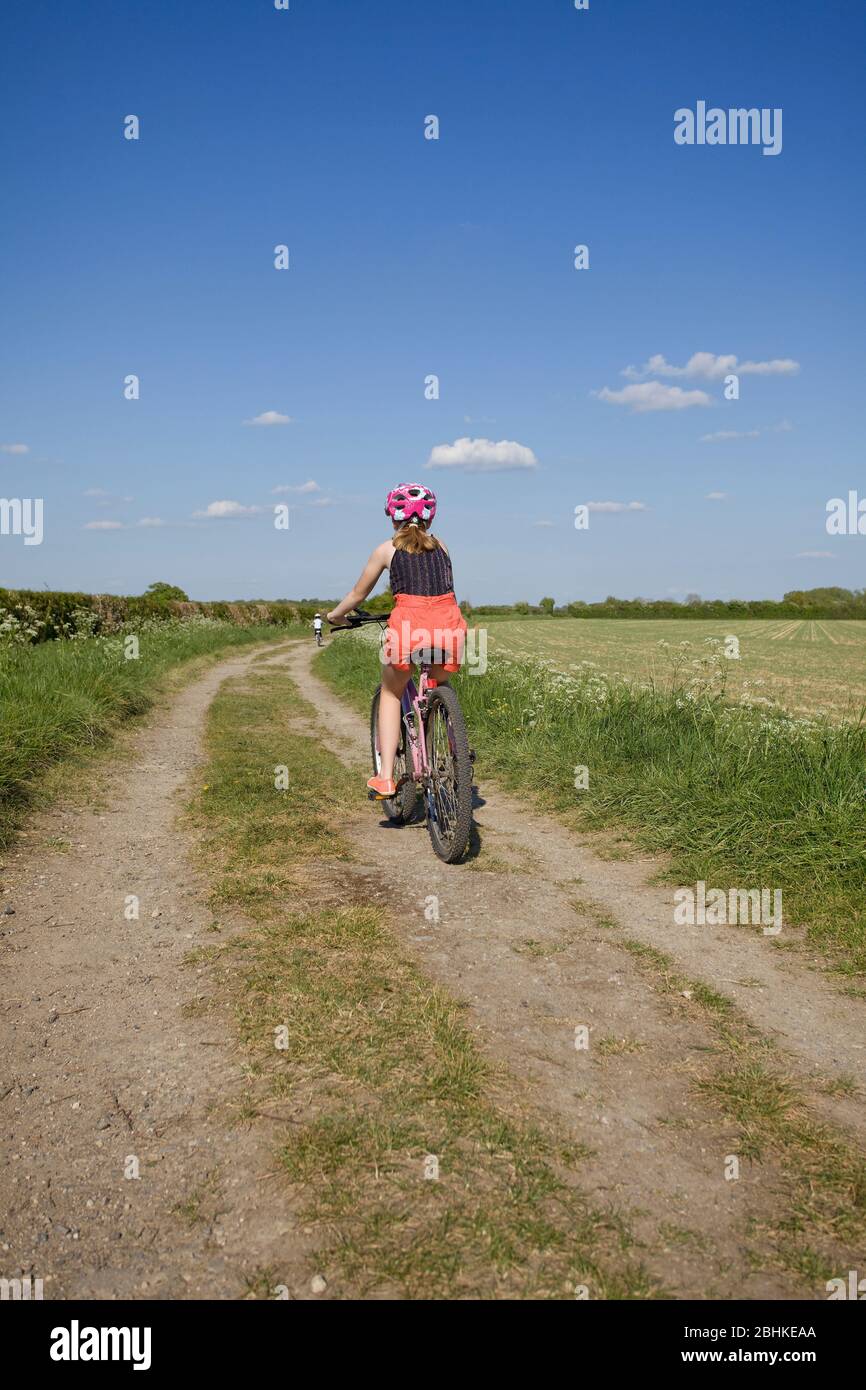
(423, 587)
(317, 628)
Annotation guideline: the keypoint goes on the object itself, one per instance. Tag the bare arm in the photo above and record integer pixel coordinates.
(370, 574)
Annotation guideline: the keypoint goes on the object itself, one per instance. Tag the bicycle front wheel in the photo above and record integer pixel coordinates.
(449, 817)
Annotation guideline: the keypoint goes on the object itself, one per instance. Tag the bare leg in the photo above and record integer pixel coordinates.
(393, 684)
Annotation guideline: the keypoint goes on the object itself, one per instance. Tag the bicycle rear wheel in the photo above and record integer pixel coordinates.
(449, 818)
(401, 807)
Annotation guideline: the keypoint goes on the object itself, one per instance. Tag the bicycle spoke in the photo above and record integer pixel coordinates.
(443, 773)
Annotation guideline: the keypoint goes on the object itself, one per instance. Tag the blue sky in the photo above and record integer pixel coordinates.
(411, 257)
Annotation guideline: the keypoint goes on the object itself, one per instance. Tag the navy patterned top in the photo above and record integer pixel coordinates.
(428, 573)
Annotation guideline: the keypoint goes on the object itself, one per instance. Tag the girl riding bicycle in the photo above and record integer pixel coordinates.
(425, 622)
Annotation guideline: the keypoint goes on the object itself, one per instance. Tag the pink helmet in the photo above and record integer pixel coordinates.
(411, 499)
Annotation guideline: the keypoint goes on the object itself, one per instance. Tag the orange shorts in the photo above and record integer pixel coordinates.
(424, 628)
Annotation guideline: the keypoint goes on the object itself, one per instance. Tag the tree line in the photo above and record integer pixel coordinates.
(829, 602)
(54, 613)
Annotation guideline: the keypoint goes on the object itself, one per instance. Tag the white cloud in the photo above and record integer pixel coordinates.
(302, 488)
(782, 428)
(150, 521)
(728, 434)
(482, 456)
(105, 499)
(654, 395)
(270, 417)
(777, 366)
(223, 509)
(323, 502)
(543, 523)
(716, 496)
(103, 526)
(14, 448)
(815, 555)
(616, 506)
(712, 367)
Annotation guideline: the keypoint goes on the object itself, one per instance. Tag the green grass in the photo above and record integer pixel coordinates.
(734, 797)
(59, 699)
(380, 1071)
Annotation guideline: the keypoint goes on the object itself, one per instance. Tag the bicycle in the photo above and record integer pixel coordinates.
(320, 641)
(433, 759)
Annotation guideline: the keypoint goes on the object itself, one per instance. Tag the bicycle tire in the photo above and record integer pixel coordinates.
(399, 808)
(450, 844)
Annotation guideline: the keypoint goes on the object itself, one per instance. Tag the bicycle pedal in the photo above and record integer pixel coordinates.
(472, 755)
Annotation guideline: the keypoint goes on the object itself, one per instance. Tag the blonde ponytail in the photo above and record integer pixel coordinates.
(414, 538)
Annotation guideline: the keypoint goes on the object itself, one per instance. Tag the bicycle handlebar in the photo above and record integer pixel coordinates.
(357, 618)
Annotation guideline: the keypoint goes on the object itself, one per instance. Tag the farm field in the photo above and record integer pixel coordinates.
(805, 666)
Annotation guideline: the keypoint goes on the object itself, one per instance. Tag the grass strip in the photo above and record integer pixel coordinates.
(414, 1157)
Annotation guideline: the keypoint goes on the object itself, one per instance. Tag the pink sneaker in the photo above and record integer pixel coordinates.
(384, 787)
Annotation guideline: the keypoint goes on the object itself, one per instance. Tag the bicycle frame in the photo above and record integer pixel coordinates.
(413, 709)
(413, 705)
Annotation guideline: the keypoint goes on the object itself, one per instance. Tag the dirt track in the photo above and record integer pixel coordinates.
(102, 1062)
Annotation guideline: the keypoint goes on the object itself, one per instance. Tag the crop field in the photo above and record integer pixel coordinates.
(805, 667)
